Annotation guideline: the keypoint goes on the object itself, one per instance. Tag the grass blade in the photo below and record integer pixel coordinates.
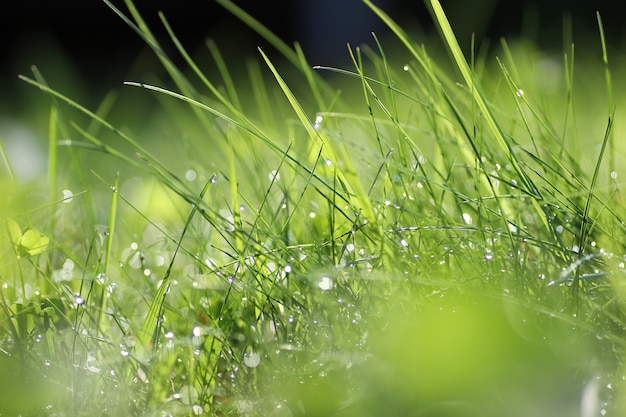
(459, 59)
(348, 176)
(148, 335)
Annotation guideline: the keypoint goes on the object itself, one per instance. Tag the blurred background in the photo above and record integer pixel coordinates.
(88, 41)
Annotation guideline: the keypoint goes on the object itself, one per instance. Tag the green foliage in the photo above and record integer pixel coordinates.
(417, 242)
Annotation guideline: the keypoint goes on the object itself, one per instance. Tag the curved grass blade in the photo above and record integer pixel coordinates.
(348, 177)
(148, 335)
(459, 59)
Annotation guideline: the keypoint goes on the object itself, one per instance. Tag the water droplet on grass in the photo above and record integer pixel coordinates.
(318, 122)
(325, 284)
(197, 331)
(68, 196)
(68, 265)
(191, 175)
(274, 176)
(251, 360)
(110, 289)
(519, 92)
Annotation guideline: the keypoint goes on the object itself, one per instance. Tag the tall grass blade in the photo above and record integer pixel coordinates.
(148, 335)
(608, 80)
(348, 176)
(109, 246)
(587, 222)
(52, 154)
(459, 59)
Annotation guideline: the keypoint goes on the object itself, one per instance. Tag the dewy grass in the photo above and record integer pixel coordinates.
(417, 242)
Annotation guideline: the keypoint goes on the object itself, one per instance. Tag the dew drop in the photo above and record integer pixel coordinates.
(110, 289)
(274, 176)
(251, 360)
(325, 284)
(191, 175)
(197, 331)
(67, 196)
(318, 122)
(68, 265)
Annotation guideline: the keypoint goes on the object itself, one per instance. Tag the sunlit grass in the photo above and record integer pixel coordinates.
(388, 239)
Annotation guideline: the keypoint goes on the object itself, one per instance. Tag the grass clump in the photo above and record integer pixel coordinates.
(422, 242)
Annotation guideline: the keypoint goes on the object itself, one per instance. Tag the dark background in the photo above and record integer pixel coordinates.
(100, 48)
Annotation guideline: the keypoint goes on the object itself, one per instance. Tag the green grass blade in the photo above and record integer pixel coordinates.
(587, 222)
(459, 59)
(109, 246)
(148, 335)
(348, 176)
(52, 154)
(608, 80)
(7, 165)
(245, 125)
(229, 83)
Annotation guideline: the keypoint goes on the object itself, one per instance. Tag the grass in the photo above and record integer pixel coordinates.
(421, 241)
